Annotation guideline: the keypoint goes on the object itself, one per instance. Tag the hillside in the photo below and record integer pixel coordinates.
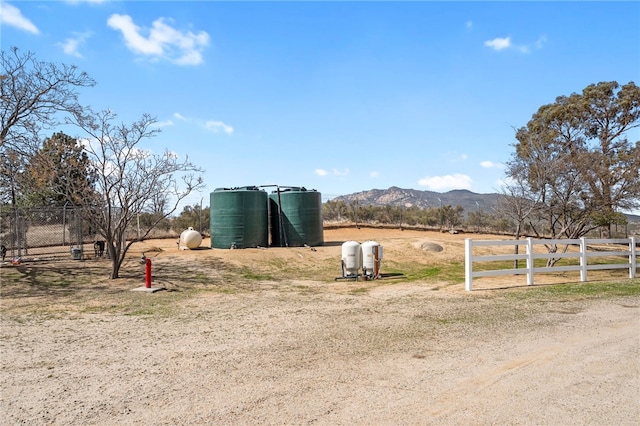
(395, 196)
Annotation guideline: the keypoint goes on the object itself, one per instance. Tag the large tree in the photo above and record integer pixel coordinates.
(130, 180)
(59, 173)
(575, 160)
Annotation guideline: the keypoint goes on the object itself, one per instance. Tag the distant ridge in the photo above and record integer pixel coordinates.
(395, 196)
(469, 201)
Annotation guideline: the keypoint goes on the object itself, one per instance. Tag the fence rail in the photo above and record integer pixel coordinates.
(584, 254)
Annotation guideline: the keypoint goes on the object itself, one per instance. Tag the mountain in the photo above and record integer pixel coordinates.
(395, 196)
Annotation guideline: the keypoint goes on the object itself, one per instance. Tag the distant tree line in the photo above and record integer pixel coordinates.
(450, 218)
(446, 217)
(191, 216)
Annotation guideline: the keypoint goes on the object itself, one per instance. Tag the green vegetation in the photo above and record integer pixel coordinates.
(251, 274)
(578, 291)
(452, 272)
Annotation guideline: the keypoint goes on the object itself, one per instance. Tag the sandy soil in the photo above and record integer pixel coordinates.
(299, 350)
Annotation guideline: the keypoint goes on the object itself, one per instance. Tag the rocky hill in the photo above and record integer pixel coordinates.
(395, 196)
(468, 200)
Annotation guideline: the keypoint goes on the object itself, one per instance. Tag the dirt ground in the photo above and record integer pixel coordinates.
(267, 336)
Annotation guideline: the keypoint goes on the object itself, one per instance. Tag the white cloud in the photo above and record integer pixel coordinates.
(335, 172)
(491, 165)
(12, 16)
(162, 42)
(374, 174)
(540, 42)
(506, 181)
(505, 43)
(217, 126)
(72, 45)
(455, 156)
(454, 181)
(498, 43)
(166, 123)
(468, 25)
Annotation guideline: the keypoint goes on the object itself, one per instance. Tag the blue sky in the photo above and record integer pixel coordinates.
(335, 96)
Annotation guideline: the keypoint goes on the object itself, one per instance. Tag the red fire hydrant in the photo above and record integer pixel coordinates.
(148, 272)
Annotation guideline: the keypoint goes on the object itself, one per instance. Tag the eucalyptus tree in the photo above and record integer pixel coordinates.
(575, 160)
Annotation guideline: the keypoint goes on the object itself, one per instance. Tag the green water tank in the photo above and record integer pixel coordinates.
(239, 218)
(296, 217)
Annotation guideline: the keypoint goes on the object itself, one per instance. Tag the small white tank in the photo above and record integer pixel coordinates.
(371, 258)
(351, 257)
(190, 239)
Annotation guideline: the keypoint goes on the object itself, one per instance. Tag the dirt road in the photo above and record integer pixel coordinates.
(300, 351)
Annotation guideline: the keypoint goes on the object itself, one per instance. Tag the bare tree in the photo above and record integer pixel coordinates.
(518, 199)
(33, 96)
(547, 189)
(33, 93)
(130, 180)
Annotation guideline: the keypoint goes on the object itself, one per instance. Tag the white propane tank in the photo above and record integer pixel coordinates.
(351, 258)
(190, 239)
(371, 258)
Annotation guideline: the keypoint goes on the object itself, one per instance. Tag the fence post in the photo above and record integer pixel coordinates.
(468, 264)
(633, 260)
(583, 259)
(529, 261)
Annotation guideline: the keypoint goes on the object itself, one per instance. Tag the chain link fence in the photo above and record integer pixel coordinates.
(47, 233)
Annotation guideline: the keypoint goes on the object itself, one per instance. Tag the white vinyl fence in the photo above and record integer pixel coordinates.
(626, 246)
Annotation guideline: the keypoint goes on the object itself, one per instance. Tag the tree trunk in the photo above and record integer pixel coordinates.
(115, 270)
(116, 261)
(517, 247)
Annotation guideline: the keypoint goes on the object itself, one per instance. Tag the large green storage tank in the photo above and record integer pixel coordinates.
(239, 218)
(296, 217)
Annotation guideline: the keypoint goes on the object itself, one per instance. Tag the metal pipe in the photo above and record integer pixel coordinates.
(148, 273)
(283, 235)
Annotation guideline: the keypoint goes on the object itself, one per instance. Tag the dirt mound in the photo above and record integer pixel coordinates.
(429, 246)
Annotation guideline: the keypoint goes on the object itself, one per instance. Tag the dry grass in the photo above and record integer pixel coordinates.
(267, 336)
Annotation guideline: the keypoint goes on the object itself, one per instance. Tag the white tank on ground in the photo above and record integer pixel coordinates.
(371, 258)
(190, 239)
(351, 258)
